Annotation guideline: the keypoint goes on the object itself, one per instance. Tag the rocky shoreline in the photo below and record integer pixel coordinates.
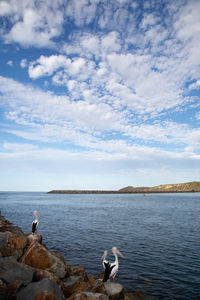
(30, 271)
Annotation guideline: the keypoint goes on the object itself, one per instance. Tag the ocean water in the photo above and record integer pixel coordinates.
(158, 234)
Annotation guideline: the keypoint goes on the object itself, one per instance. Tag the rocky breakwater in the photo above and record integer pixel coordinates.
(29, 271)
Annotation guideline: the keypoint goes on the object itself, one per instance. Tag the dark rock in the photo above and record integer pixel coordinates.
(11, 270)
(41, 290)
(42, 274)
(115, 291)
(3, 290)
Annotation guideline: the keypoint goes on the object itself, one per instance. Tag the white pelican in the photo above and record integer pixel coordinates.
(35, 222)
(111, 269)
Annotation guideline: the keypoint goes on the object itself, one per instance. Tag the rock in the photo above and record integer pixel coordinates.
(38, 256)
(98, 288)
(3, 290)
(3, 221)
(115, 291)
(41, 290)
(14, 287)
(137, 296)
(74, 285)
(12, 241)
(89, 296)
(42, 274)
(34, 237)
(12, 271)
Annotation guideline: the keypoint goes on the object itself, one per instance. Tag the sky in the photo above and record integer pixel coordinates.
(99, 94)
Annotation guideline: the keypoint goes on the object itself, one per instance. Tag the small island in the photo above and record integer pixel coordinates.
(189, 187)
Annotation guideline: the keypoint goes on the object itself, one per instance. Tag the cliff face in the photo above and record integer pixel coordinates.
(29, 271)
(181, 187)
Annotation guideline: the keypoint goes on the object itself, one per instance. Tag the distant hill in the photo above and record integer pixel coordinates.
(180, 187)
(131, 189)
(188, 187)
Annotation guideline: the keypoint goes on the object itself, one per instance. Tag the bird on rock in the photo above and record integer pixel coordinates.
(111, 269)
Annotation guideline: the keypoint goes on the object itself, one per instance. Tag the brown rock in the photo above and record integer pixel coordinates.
(93, 281)
(89, 296)
(34, 237)
(12, 241)
(74, 285)
(38, 256)
(98, 288)
(14, 287)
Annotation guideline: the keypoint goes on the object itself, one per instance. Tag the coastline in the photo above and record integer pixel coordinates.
(30, 271)
(115, 192)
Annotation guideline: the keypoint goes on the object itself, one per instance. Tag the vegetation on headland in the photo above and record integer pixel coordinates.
(188, 187)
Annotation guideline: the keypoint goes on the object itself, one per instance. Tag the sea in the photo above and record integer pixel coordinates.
(159, 235)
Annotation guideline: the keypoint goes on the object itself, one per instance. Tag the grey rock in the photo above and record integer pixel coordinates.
(115, 291)
(71, 281)
(11, 270)
(41, 289)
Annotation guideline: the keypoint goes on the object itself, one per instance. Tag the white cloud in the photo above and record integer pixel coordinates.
(10, 63)
(5, 8)
(47, 65)
(24, 63)
(195, 85)
(46, 117)
(16, 147)
(33, 23)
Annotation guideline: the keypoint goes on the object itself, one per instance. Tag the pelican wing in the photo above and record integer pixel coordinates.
(34, 226)
(108, 271)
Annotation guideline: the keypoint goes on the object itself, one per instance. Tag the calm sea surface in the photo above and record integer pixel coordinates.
(159, 234)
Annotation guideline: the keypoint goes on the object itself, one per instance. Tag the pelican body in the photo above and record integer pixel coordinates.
(35, 223)
(111, 269)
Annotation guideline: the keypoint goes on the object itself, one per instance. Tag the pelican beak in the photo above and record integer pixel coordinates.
(104, 255)
(118, 252)
(37, 213)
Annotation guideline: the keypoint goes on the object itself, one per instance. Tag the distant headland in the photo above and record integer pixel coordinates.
(189, 187)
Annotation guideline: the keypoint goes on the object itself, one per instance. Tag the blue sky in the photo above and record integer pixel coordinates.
(99, 94)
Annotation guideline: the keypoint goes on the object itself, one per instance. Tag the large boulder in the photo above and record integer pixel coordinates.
(38, 256)
(41, 290)
(11, 271)
(115, 291)
(12, 241)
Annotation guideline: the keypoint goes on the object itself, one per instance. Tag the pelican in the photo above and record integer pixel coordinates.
(35, 222)
(111, 269)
